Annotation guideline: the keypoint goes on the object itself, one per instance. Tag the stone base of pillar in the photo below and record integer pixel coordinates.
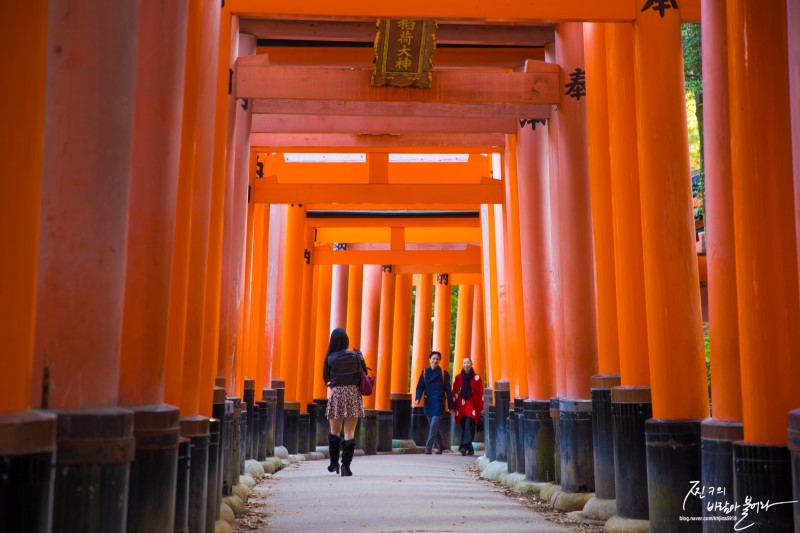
(213, 496)
(673, 462)
(794, 449)
(555, 416)
(419, 426)
(716, 451)
(577, 456)
(617, 524)
(198, 430)
(249, 403)
(763, 474)
(603, 435)
(519, 410)
(261, 405)
(280, 391)
(631, 407)
(244, 440)
(151, 495)
(270, 398)
(490, 437)
(600, 509)
(483, 436)
(291, 428)
(538, 441)
(512, 446)
(385, 422)
(502, 397)
(369, 432)
(227, 448)
(313, 413)
(444, 428)
(303, 432)
(26, 475)
(182, 486)
(400, 402)
(237, 461)
(322, 426)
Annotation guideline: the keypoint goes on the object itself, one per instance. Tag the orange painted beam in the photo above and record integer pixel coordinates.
(467, 270)
(425, 223)
(401, 335)
(153, 198)
(377, 125)
(349, 84)
(396, 143)
(506, 10)
(489, 190)
(322, 256)
(383, 373)
(389, 206)
(21, 151)
(382, 234)
(288, 106)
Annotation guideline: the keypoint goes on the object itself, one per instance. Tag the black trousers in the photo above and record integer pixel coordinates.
(467, 431)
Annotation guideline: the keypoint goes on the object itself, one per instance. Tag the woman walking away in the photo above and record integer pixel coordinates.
(342, 373)
(468, 394)
(435, 383)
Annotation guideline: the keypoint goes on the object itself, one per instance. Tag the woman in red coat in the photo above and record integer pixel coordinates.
(468, 396)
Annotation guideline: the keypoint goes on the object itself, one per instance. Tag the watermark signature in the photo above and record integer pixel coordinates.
(726, 510)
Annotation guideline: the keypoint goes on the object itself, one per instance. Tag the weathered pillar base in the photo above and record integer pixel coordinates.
(218, 411)
(198, 430)
(400, 403)
(763, 474)
(603, 435)
(291, 426)
(600, 509)
(539, 441)
(631, 407)
(244, 440)
(512, 447)
(280, 389)
(213, 498)
(794, 448)
(673, 462)
(323, 427)
(303, 432)
(93, 457)
(502, 397)
(261, 405)
(151, 493)
(444, 427)
(716, 452)
(27, 453)
(617, 524)
(249, 403)
(577, 457)
(385, 431)
(313, 413)
(182, 485)
(485, 436)
(237, 461)
(227, 449)
(555, 416)
(490, 428)
(519, 410)
(419, 426)
(369, 432)
(270, 397)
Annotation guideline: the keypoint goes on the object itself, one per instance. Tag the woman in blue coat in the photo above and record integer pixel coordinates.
(435, 383)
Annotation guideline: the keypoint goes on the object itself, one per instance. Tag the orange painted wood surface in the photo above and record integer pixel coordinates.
(478, 341)
(386, 257)
(377, 125)
(348, 142)
(421, 341)
(339, 292)
(323, 332)
(464, 324)
(21, 150)
(292, 290)
(257, 293)
(383, 383)
(303, 355)
(370, 321)
(401, 333)
(441, 321)
(153, 198)
(355, 288)
(89, 109)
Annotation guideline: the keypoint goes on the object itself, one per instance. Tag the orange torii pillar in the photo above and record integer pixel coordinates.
(488, 255)
(463, 348)
(153, 196)
(477, 342)
(534, 216)
(441, 335)
(719, 433)
(339, 293)
(399, 398)
(355, 287)
(420, 350)
(370, 321)
(305, 343)
(322, 338)
(793, 33)
(277, 252)
(766, 260)
(607, 332)
(28, 436)
(91, 82)
(631, 403)
(383, 385)
(672, 294)
(294, 259)
(577, 264)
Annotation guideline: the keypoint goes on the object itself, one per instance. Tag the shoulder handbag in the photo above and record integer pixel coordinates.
(366, 382)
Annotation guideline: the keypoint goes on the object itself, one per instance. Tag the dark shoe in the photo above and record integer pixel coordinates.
(470, 449)
(427, 451)
(439, 450)
(334, 443)
(348, 449)
(463, 450)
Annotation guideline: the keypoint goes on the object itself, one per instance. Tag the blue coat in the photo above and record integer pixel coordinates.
(436, 386)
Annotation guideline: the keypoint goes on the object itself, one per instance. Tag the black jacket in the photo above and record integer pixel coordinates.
(343, 368)
(436, 386)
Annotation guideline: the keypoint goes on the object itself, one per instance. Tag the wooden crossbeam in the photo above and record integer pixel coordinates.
(365, 222)
(468, 270)
(411, 235)
(449, 86)
(405, 143)
(489, 191)
(323, 255)
(379, 125)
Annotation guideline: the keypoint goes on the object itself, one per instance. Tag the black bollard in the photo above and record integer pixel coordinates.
(227, 449)
(303, 431)
(794, 448)
(455, 433)
(673, 462)
(151, 496)
(763, 473)
(280, 389)
(92, 468)
(311, 408)
(197, 430)
(270, 397)
(236, 455)
(716, 452)
(254, 431)
(400, 403)
(218, 412)
(213, 498)
(519, 410)
(261, 406)
(27, 453)
(444, 427)
(182, 486)
(322, 426)
(249, 403)
(502, 397)
(555, 416)
(419, 425)
(291, 429)
(244, 440)
(369, 432)
(577, 458)
(603, 434)
(384, 431)
(511, 441)
(491, 435)
(539, 441)
(630, 408)
(488, 445)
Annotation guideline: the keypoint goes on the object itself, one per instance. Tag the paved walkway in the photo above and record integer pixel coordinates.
(394, 494)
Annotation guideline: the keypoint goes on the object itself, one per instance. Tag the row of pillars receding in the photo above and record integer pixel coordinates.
(132, 278)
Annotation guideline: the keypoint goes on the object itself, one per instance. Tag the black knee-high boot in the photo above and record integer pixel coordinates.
(334, 442)
(348, 449)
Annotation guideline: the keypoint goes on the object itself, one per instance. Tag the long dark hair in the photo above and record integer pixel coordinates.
(339, 341)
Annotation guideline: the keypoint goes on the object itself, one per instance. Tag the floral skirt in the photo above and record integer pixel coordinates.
(345, 402)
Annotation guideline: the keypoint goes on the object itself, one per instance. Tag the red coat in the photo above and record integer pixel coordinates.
(473, 406)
